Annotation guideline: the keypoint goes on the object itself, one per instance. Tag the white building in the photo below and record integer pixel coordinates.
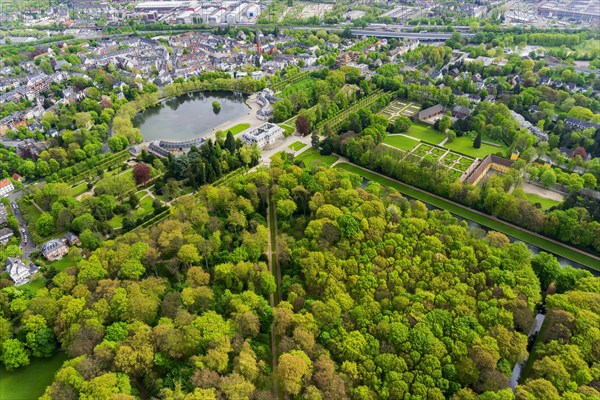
(6, 187)
(263, 135)
(18, 271)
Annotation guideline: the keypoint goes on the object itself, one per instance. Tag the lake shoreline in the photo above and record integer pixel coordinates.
(190, 116)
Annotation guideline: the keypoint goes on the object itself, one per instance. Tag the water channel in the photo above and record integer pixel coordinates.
(190, 116)
(473, 226)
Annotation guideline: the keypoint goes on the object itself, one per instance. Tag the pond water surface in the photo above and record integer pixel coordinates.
(190, 116)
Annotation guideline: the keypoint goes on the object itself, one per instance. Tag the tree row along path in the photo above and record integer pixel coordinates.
(553, 246)
(274, 298)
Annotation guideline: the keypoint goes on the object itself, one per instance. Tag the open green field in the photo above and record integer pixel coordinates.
(28, 383)
(117, 221)
(287, 130)
(482, 219)
(62, 264)
(30, 212)
(239, 128)
(35, 285)
(425, 133)
(589, 47)
(401, 142)
(464, 145)
(312, 156)
(544, 201)
(297, 146)
(79, 189)
(145, 207)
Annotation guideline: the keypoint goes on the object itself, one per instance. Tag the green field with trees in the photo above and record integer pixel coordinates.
(30, 382)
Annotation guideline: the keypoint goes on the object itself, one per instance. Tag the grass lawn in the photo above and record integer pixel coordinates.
(544, 201)
(128, 173)
(590, 46)
(297, 146)
(145, 207)
(30, 382)
(287, 129)
(305, 85)
(484, 220)
(117, 221)
(79, 189)
(30, 212)
(238, 128)
(401, 142)
(461, 144)
(425, 133)
(62, 264)
(312, 156)
(464, 145)
(35, 285)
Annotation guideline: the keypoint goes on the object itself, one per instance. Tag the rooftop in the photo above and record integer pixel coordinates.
(261, 130)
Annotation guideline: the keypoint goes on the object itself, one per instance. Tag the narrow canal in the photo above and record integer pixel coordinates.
(535, 330)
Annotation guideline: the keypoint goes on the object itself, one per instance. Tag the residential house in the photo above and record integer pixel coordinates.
(347, 58)
(5, 235)
(6, 187)
(18, 271)
(54, 249)
(461, 112)
(72, 239)
(579, 124)
(474, 98)
(29, 148)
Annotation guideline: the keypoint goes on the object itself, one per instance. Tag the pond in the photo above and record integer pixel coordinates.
(30, 382)
(190, 116)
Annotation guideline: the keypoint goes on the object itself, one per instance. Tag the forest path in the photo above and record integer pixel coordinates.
(274, 298)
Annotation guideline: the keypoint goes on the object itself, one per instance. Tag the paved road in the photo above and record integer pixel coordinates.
(30, 247)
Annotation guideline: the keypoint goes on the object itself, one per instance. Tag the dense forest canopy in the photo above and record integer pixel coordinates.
(380, 298)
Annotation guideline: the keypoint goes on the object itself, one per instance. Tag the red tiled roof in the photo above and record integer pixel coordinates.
(4, 183)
